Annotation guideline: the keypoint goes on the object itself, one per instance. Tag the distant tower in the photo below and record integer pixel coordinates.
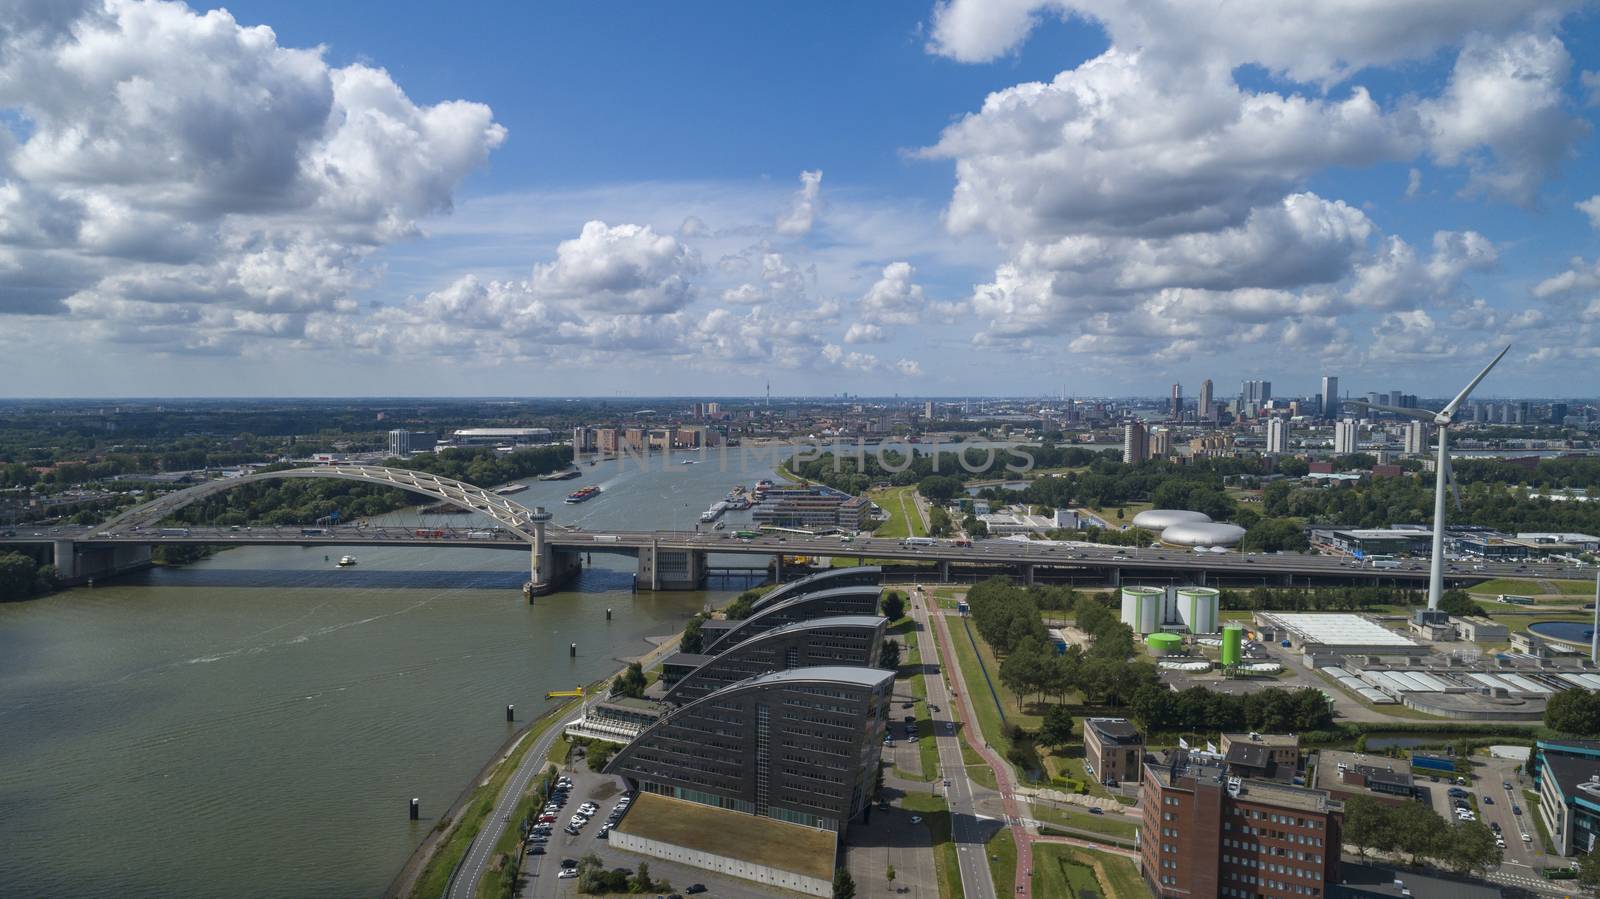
(769, 394)
(1330, 397)
(1177, 401)
(1206, 411)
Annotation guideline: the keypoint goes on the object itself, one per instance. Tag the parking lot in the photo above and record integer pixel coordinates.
(541, 872)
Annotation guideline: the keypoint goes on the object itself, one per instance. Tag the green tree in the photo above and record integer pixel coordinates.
(1458, 603)
(844, 886)
(1589, 869)
(1470, 848)
(742, 605)
(1365, 825)
(889, 656)
(693, 641)
(1057, 728)
(894, 606)
(631, 682)
(939, 488)
(1575, 712)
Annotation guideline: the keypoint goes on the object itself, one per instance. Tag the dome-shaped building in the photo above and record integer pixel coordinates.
(1202, 533)
(1161, 519)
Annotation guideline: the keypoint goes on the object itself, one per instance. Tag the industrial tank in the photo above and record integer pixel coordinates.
(1232, 645)
(1197, 607)
(1164, 644)
(1141, 608)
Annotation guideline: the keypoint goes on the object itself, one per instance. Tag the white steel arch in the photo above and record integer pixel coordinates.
(513, 516)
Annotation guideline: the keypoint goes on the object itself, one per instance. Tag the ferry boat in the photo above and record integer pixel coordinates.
(582, 495)
(713, 513)
(509, 489)
(566, 475)
(346, 561)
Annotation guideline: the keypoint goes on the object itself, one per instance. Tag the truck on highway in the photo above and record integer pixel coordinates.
(480, 535)
(607, 538)
(1515, 599)
(918, 541)
(313, 532)
(174, 532)
(1385, 563)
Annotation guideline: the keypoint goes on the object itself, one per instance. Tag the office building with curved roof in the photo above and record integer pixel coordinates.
(850, 640)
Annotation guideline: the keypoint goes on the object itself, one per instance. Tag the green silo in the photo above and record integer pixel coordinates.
(1232, 644)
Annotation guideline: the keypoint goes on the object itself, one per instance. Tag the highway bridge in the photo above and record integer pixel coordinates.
(677, 560)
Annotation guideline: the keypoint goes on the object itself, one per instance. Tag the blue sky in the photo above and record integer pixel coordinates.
(1382, 200)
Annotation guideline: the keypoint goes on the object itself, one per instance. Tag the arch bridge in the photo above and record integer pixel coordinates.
(510, 516)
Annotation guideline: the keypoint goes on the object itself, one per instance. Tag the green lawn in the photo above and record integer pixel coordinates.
(1533, 587)
(936, 817)
(1058, 874)
(983, 702)
(1002, 849)
(1065, 872)
(1110, 825)
(703, 828)
(901, 507)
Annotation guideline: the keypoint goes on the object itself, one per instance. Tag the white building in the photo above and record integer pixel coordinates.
(1416, 437)
(1346, 436)
(1278, 435)
(399, 443)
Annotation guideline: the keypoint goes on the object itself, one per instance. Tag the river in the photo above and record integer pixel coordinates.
(256, 723)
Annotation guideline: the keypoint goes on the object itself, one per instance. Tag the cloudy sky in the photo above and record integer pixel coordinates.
(968, 197)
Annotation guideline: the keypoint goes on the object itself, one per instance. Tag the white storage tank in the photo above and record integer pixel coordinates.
(1141, 608)
(1197, 607)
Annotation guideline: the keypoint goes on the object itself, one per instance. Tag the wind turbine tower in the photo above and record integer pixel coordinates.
(1442, 420)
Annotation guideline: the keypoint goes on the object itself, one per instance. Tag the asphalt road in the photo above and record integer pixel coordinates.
(466, 883)
(1051, 554)
(967, 832)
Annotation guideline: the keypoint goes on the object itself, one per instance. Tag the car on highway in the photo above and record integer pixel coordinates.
(1488, 800)
(693, 888)
(567, 874)
(1516, 810)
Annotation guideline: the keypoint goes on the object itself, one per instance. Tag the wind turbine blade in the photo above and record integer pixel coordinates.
(1422, 414)
(1450, 408)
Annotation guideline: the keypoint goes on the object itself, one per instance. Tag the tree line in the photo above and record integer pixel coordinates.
(1416, 830)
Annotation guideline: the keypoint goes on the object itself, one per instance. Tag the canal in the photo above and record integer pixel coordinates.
(255, 723)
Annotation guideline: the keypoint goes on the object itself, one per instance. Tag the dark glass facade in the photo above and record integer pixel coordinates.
(847, 640)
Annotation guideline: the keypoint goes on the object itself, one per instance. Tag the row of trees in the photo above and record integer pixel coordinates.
(596, 879)
(1332, 599)
(1198, 709)
(1494, 495)
(1414, 829)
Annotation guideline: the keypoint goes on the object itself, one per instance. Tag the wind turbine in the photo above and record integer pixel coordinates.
(1442, 479)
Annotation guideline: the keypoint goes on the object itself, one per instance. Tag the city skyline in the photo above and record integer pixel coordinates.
(473, 214)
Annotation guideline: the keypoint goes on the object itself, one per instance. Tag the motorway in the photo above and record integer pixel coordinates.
(1236, 567)
(966, 831)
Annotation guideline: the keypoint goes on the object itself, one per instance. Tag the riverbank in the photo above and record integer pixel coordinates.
(432, 867)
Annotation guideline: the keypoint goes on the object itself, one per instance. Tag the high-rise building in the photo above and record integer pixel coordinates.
(1416, 437)
(399, 443)
(1253, 395)
(1175, 408)
(1206, 833)
(927, 410)
(1278, 435)
(1206, 412)
(713, 408)
(583, 440)
(1524, 412)
(1346, 436)
(1135, 442)
(801, 746)
(1558, 413)
(849, 640)
(1160, 443)
(1330, 397)
(1480, 412)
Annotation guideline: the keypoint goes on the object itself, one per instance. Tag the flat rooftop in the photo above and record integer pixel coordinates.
(1337, 629)
(736, 835)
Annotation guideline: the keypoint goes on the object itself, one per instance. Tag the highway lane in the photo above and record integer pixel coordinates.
(995, 552)
(965, 829)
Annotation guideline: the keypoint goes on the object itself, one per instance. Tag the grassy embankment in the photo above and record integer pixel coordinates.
(1534, 587)
(1067, 872)
(435, 876)
(1002, 853)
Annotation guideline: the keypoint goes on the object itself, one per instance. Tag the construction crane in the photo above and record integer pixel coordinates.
(581, 693)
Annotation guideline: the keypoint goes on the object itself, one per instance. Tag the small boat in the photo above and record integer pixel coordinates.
(509, 489)
(347, 561)
(720, 525)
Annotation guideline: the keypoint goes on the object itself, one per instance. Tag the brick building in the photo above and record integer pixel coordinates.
(1113, 749)
(1205, 833)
